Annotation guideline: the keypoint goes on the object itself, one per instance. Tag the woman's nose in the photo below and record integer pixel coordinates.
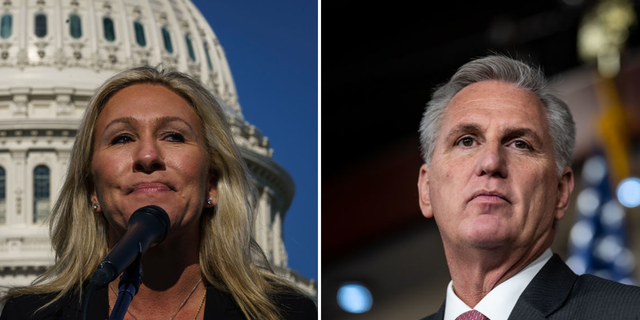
(148, 157)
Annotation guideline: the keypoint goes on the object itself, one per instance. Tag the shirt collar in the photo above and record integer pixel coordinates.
(499, 302)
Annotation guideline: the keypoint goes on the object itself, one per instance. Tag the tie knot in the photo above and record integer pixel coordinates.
(472, 315)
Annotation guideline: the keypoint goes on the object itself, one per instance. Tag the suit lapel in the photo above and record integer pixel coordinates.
(547, 292)
(438, 315)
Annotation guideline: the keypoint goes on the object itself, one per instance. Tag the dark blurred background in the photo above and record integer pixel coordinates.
(379, 64)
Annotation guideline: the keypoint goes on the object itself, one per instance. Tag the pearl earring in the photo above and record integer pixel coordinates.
(209, 201)
(96, 206)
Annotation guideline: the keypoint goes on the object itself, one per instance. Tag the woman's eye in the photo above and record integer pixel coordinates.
(466, 142)
(174, 137)
(121, 139)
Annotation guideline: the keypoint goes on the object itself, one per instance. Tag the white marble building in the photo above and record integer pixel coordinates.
(53, 55)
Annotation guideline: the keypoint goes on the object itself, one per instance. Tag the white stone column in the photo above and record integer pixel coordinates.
(17, 190)
(93, 21)
(59, 21)
(179, 45)
(21, 32)
(155, 41)
(126, 27)
(263, 223)
(279, 255)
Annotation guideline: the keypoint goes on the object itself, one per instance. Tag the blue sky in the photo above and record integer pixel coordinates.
(272, 50)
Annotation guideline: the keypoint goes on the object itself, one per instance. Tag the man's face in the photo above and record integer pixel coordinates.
(492, 180)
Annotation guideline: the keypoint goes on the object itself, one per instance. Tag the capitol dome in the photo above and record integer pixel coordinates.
(53, 55)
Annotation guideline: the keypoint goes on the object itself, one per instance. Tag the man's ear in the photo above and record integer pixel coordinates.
(565, 187)
(423, 192)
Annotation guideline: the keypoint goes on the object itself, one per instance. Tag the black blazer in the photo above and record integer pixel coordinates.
(219, 305)
(558, 293)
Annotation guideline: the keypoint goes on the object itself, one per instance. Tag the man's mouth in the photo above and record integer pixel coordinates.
(489, 197)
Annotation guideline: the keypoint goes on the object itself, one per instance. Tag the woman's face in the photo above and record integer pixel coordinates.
(149, 150)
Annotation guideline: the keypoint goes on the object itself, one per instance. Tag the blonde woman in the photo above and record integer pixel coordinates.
(152, 137)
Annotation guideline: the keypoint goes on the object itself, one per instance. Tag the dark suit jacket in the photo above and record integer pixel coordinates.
(219, 305)
(558, 293)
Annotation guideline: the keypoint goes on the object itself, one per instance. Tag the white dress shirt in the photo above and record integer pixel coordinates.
(499, 302)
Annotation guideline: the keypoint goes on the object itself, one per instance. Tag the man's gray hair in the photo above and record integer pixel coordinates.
(501, 68)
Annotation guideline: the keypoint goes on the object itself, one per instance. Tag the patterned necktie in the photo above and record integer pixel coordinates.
(472, 315)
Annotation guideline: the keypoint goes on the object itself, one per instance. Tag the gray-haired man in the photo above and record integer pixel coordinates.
(497, 146)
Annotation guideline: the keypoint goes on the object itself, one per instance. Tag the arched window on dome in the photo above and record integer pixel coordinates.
(192, 54)
(75, 26)
(166, 37)
(206, 51)
(109, 32)
(41, 25)
(41, 193)
(5, 26)
(3, 196)
(140, 39)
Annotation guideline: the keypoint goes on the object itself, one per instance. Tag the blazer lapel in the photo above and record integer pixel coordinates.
(221, 306)
(218, 306)
(98, 306)
(547, 292)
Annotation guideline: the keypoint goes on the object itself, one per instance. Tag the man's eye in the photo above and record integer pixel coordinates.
(121, 139)
(466, 142)
(521, 144)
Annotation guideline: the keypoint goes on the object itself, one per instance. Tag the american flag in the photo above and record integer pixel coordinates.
(598, 239)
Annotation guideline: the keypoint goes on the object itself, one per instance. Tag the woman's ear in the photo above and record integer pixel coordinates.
(212, 193)
(93, 197)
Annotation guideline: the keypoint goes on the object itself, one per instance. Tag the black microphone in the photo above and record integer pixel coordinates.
(148, 226)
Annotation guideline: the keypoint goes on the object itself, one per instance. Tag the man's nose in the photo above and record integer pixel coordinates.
(149, 156)
(492, 161)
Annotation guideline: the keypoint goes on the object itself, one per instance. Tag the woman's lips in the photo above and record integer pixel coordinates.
(152, 187)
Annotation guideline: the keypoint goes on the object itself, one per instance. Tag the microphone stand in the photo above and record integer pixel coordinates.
(148, 226)
(129, 284)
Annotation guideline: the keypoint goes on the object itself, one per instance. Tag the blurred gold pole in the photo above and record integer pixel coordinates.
(613, 129)
(601, 38)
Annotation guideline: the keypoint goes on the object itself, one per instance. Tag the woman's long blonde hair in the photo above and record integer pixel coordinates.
(230, 259)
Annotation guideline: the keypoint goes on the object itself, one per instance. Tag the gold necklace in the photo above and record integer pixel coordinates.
(179, 308)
